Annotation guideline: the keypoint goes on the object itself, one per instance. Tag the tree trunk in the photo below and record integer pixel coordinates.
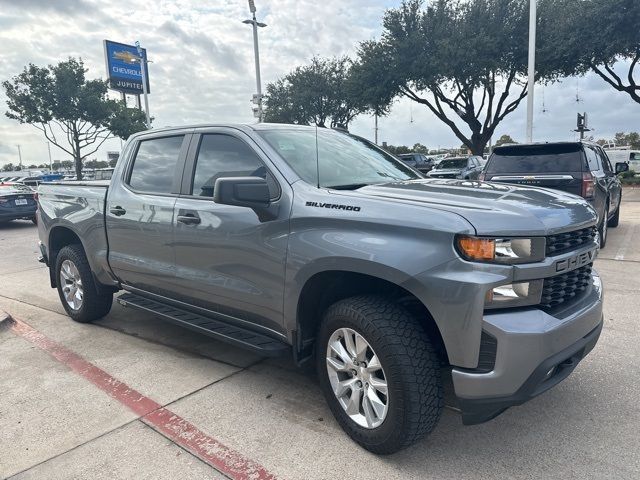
(77, 158)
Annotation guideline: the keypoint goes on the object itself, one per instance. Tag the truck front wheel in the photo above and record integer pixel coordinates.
(77, 288)
(379, 373)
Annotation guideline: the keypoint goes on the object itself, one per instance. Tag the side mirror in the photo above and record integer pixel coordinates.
(250, 192)
(622, 167)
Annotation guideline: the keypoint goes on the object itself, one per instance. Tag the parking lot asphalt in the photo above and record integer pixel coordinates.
(73, 396)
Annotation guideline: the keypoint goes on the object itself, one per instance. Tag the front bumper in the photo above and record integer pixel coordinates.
(535, 351)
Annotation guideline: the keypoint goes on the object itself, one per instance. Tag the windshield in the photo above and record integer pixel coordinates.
(453, 163)
(343, 160)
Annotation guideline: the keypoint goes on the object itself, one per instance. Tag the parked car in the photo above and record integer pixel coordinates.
(581, 168)
(627, 155)
(287, 239)
(467, 168)
(17, 202)
(418, 161)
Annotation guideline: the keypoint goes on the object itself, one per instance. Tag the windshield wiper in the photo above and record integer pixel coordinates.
(348, 186)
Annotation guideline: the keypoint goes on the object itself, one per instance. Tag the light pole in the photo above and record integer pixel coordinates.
(257, 99)
(531, 68)
(143, 71)
(50, 163)
(19, 156)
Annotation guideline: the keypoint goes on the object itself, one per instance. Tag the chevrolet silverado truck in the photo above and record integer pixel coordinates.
(311, 242)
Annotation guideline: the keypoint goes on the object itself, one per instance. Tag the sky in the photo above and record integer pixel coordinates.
(202, 66)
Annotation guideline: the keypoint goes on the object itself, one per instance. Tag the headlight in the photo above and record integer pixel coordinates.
(517, 294)
(501, 250)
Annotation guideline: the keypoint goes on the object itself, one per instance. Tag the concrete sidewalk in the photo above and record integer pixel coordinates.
(56, 424)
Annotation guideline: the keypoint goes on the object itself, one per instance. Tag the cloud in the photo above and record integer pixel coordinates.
(203, 64)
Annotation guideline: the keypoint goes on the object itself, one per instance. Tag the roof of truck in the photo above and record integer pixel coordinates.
(239, 126)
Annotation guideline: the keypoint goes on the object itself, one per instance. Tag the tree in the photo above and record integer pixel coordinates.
(58, 99)
(465, 61)
(320, 93)
(397, 150)
(419, 148)
(8, 167)
(592, 35)
(504, 139)
(631, 139)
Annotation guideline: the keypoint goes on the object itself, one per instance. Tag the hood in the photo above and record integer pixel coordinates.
(492, 208)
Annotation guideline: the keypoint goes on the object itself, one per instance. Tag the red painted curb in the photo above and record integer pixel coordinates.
(172, 426)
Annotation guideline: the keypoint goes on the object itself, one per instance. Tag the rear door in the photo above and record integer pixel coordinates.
(557, 166)
(228, 260)
(140, 210)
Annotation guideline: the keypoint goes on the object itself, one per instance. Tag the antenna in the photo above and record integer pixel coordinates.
(544, 108)
(317, 158)
(410, 113)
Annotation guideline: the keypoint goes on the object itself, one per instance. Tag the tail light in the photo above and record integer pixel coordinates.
(481, 177)
(588, 185)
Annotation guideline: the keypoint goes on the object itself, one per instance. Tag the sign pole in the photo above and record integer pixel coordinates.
(124, 98)
(531, 67)
(143, 72)
(138, 102)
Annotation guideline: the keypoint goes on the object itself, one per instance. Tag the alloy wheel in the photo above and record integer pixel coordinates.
(357, 378)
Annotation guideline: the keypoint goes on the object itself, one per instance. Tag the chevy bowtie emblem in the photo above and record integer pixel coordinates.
(125, 56)
(529, 178)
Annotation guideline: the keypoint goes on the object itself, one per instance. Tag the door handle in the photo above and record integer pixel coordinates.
(117, 211)
(188, 219)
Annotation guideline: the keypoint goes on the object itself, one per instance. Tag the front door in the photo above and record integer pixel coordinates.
(227, 259)
(139, 213)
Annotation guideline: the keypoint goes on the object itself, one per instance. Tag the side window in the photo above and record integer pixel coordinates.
(605, 161)
(592, 159)
(220, 156)
(154, 165)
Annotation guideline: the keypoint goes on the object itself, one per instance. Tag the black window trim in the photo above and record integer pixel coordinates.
(186, 182)
(180, 164)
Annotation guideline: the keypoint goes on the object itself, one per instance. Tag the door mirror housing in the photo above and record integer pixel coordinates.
(250, 192)
(622, 167)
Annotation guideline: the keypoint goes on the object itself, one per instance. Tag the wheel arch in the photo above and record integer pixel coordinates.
(59, 237)
(324, 288)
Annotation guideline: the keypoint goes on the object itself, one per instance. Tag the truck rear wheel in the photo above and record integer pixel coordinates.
(77, 288)
(379, 372)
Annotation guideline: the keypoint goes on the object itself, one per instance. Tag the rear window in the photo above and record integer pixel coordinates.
(556, 159)
(453, 163)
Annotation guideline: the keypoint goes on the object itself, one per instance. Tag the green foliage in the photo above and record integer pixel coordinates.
(584, 35)
(397, 150)
(631, 139)
(464, 60)
(8, 167)
(58, 99)
(504, 139)
(321, 93)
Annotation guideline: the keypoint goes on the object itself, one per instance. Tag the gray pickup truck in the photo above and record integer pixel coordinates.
(313, 242)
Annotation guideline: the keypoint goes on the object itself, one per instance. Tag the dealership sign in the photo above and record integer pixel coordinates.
(123, 67)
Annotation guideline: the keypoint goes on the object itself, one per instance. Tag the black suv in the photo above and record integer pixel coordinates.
(581, 168)
(417, 161)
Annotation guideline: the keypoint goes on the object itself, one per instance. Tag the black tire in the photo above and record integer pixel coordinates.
(604, 225)
(95, 304)
(615, 220)
(411, 367)
(34, 220)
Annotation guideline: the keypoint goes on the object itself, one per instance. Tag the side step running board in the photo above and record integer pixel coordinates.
(242, 337)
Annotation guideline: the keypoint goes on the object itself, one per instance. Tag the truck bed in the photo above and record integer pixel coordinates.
(77, 207)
